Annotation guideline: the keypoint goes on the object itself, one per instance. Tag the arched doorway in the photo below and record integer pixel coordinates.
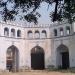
(62, 57)
(37, 58)
(12, 58)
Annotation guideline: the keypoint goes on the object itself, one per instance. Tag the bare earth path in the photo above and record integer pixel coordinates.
(36, 73)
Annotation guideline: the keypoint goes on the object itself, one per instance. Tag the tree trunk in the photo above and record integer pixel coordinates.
(55, 13)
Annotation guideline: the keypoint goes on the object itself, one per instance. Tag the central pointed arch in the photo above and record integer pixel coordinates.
(37, 58)
(12, 58)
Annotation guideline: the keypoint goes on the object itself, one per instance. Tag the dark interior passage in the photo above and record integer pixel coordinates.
(65, 60)
(37, 58)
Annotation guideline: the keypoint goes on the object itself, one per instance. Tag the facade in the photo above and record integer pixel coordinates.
(36, 46)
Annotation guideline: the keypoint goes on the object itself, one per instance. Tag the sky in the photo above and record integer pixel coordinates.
(45, 13)
(44, 10)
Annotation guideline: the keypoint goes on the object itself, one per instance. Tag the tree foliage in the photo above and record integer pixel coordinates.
(69, 10)
(63, 9)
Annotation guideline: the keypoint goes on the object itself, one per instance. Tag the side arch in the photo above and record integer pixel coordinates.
(12, 58)
(62, 57)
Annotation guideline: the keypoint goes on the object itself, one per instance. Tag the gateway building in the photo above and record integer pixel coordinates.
(36, 46)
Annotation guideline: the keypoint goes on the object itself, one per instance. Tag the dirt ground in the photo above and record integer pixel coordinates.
(36, 73)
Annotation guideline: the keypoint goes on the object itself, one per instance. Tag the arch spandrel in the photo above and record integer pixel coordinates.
(12, 47)
(37, 49)
(62, 48)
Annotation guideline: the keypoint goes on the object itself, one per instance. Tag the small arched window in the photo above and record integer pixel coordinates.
(68, 30)
(12, 32)
(37, 34)
(44, 34)
(6, 31)
(18, 33)
(55, 32)
(61, 32)
(30, 34)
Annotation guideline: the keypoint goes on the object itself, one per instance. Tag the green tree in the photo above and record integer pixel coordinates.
(69, 10)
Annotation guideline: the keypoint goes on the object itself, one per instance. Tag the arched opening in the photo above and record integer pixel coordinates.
(12, 32)
(61, 31)
(37, 34)
(68, 30)
(37, 58)
(55, 32)
(6, 31)
(44, 34)
(18, 33)
(62, 57)
(12, 58)
(30, 34)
